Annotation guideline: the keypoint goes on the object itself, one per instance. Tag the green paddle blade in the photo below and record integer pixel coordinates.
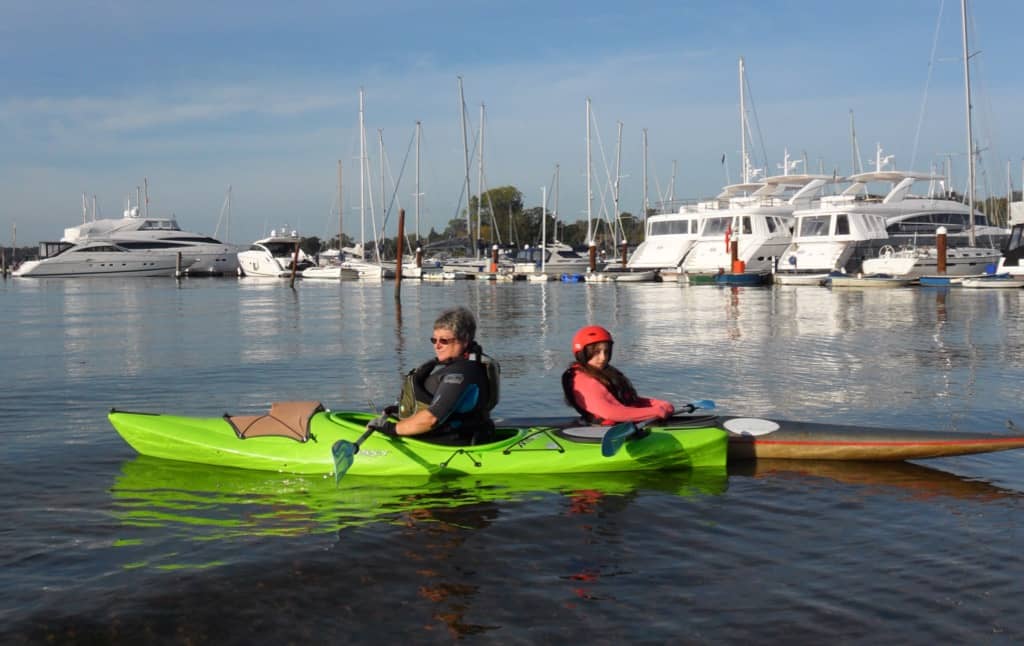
(344, 453)
(616, 436)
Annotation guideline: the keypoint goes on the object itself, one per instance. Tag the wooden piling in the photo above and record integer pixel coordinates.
(940, 250)
(398, 255)
(592, 257)
(295, 265)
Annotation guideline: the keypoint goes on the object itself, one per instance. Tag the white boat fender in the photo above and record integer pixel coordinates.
(750, 426)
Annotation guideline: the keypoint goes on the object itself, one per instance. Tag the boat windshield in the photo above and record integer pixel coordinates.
(669, 227)
(51, 249)
(277, 249)
(814, 225)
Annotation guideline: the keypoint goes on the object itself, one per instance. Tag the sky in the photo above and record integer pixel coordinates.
(98, 97)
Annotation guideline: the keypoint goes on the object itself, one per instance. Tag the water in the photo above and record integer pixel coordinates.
(100, 545)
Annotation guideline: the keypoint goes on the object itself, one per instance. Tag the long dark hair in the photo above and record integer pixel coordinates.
(610, 377)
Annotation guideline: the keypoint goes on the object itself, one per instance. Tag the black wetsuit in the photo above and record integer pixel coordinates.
(458, 394)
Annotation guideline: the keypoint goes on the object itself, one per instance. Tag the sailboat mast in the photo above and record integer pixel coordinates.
(618, 174)
(362, 180)
(643, 206)
(480, 178)
(419, 136)
(340, 209)
(543, 225)
(465, 155)
(590, 196)
(970, 133)
(383, 197)
(554, 215)
(672, 185)
(744, 166)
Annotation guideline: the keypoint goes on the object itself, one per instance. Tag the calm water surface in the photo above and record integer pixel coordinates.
(101, 545)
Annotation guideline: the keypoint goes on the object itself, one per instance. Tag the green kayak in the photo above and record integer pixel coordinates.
(305, 446)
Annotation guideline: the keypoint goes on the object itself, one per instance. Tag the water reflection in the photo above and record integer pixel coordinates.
(919, 482)
(159, 501)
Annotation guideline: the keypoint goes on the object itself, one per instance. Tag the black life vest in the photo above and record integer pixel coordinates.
(416, 397)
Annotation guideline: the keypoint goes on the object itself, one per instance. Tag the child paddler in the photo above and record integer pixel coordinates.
(448, 399)
(600, 392)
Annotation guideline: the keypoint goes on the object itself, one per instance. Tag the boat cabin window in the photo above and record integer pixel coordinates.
(842, 225)
(715, 227)
(51, 249)
(159, 225)
(203, 239)
(772, 224)
(813, 225)
(747, 228)
(669, 227)
(105, 248)
(1015, 241)
(280, 248)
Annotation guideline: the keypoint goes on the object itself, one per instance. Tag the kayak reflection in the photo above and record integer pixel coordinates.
(922, 482)
(202, 502)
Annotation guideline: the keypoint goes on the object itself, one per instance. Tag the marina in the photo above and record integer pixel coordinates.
(375, 398)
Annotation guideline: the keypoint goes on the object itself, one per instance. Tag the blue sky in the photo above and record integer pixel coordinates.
(197, 96)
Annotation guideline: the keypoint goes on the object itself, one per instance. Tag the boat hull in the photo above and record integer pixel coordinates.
(780, 439)
(521, 450)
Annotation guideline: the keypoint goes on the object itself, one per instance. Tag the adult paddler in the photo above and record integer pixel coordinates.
(448, 399)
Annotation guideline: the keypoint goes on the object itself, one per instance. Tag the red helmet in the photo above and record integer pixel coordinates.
(590, 334)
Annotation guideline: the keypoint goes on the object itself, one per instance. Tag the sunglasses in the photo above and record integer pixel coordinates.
(443, 342)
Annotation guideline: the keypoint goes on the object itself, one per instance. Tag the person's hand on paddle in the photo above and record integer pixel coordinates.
(665, 409)
(383, 425)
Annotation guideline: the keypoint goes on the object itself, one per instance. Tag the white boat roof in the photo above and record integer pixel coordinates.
(893, 176)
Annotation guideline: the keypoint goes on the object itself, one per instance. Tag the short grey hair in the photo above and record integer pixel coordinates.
(460, 321)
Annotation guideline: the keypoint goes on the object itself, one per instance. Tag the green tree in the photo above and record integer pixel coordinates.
(500, 207)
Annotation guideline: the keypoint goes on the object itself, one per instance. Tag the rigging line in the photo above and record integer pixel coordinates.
(604, 211)
(495, 229)
(757, 123)
(927, 84)
(395, 184)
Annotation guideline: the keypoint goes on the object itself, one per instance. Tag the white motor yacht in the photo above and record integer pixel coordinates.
(558, 258)
(758, 216)
(209, 256)
(274, 256)
(668, 237)
(98, 258)
(1013, 252)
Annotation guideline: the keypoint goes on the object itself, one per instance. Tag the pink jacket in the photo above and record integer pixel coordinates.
(593, 397)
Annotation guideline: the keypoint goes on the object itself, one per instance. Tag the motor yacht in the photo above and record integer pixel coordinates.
(159, 235)
(668, 237)
(274, 256)
(758, 216)
(92, 258)
(554, 258)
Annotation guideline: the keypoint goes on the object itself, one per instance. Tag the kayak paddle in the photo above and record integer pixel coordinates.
(344, 453)
(619, 434)
(703, 404)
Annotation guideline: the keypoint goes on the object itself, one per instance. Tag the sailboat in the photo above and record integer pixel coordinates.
(922, 261)
(335, 270)
(365, 269)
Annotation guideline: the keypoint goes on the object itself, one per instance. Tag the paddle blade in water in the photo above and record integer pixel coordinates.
(616, 436)
(344, 453)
